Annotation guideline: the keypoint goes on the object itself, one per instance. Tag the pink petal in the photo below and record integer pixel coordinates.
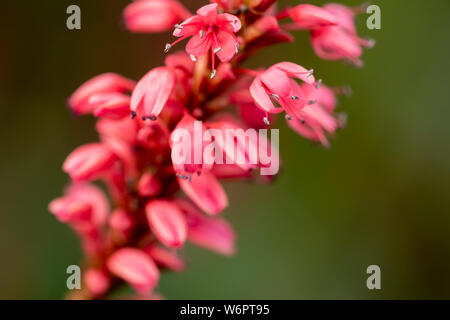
(167, 222)
(262, 99)
(296, 71)
(208, 13)
(307, 16)
(148, 185)
(198, 46)
(110, 105)
(165, 258)
(152, 92)
(135, 267)
(206, 192)
(227, 43)
(97, 281)
(230, 20)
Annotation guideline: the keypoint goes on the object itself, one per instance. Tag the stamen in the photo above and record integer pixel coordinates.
(153, 118)
(310, 73)
(189, 177)
(302, 121)
(266, 121)
(181, 176)
(310, 102)
(201, 33)
(275, 96)
(237, 48)
(319, 84)
(217, 50)
(167, 48)
(288, 117)
(213, 73)
(178, 26)
(133, 114)
(193, 58)
(295, 98)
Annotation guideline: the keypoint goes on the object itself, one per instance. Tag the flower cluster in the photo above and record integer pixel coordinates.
(154, 205)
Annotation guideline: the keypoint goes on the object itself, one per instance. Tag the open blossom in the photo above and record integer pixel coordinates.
(333, 31)
(209, 31)
(276, 84)
(163, 188)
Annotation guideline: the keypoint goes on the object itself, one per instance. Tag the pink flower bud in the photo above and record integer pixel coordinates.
(121, 221)
(205, 191)
(148, 185)
(97, 282)
(165, 258)
(154, 15)
(89, 162)
(104, 83)
(166, 222)
(135, 267)
(152, 92)
(307, 16)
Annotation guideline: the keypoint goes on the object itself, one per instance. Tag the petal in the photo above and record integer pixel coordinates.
(166, 222)
(307, 16)
(165, 258)
(208, 13)
(206, 192)
(152, 92)
(227, 43)
(261, 98)
(230, 21)
(296, 71)
(198, 46)
(97, 281)
(135, 267)
(110, 105)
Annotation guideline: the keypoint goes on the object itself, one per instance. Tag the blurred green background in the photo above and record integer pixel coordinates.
(380, 195)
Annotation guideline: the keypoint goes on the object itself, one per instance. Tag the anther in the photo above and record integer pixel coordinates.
(153, 118)
(181, 176)
(319, 84)
(237, 48)
(295, 98)
(275, 96)
(266, 121)
(217, 49)
(310, 73)
(193, 58)
(178, 26)
(189, 177)
(133, 114)
(167, 48)
(213, 73)
(288, 117)
(201, 33)
(310, 102)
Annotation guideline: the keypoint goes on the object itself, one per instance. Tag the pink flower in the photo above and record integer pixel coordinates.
(165, 258)
(333, 31)
(152, 92)
(318, 119)
(89, 162)
(167, 222)
(205, 191)
(209, 31)
(307, 16)
(154, 15)
(276, 84)
(97, 281)
(212, 233)
(135, 267)
(106, 83)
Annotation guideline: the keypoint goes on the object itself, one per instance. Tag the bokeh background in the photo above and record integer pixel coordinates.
(380, 195)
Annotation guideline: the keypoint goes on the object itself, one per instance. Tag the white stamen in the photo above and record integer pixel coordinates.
(310, 73)
(201, 34)
(266, 121)
(182, 176)
(178, 26)
(167, 48)
(288, 117)
(319, 84)
(295, 98)
(217, 49)
(193, 58)
(213, 73)
(237, 48)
